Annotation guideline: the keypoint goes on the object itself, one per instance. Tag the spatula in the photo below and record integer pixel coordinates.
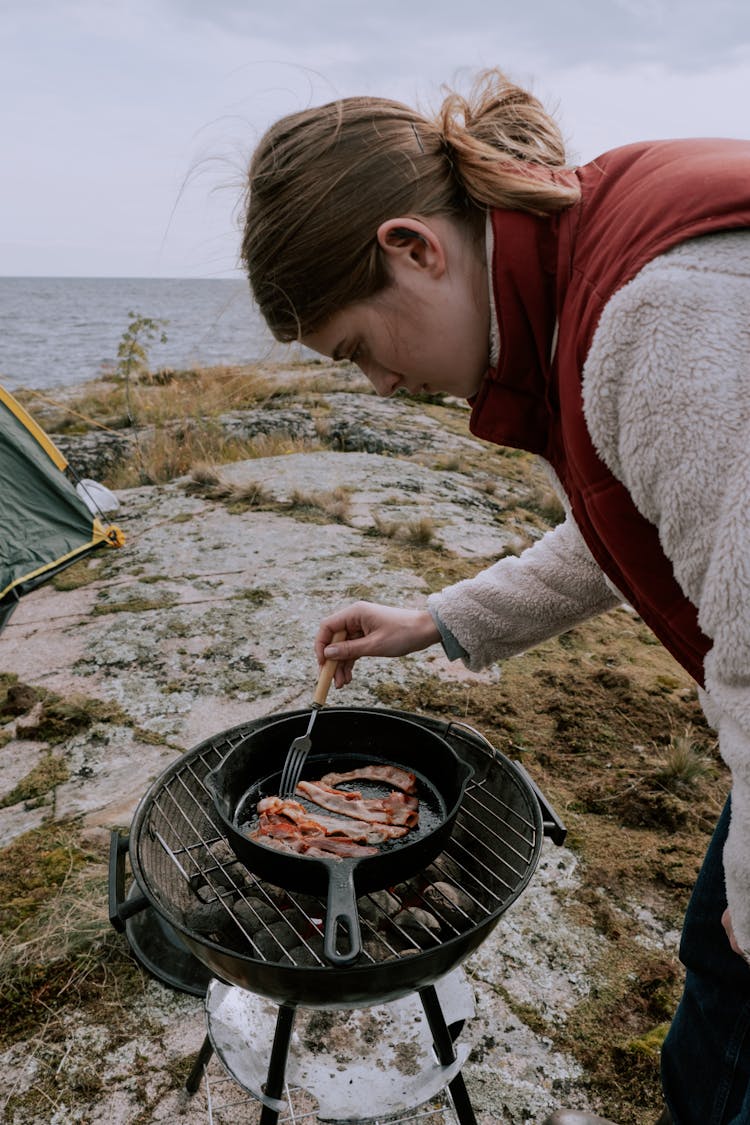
(300, 747)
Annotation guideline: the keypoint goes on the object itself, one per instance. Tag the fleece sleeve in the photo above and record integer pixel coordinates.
(520, 601)
(667, 401)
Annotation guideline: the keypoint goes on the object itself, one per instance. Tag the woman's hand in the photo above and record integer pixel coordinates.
(373, 630)
(726, 921)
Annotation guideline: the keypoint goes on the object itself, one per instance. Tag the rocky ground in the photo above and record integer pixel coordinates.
(205, 620)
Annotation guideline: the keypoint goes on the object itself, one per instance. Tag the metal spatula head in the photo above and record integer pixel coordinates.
(300, 747)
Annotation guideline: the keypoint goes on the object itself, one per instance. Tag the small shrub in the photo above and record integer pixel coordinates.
(682, 764)
(205, 475)
(252, 495)
(543, 501)
(420, 532)
(388, 529)
(132, 351)
(205, 481)
(413, 533)
(334, 505)
(451, 464)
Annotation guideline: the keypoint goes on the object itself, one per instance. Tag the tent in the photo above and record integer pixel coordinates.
(46, 523)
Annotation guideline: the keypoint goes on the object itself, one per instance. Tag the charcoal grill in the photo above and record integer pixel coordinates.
(257, 937)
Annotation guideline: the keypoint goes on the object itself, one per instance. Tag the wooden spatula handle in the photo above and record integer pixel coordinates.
(326, 672)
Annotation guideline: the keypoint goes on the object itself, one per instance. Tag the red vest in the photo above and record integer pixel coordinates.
(636, 202)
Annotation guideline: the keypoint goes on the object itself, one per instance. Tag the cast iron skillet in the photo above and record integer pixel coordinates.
(343, 740)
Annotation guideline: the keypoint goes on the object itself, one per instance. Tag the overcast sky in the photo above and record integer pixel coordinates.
(126, 124)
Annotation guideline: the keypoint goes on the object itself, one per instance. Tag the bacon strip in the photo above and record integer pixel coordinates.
(323, 847)
(389, 775)
(274, 813)
(396, 808)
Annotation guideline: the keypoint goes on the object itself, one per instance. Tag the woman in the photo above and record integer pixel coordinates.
(599, 317)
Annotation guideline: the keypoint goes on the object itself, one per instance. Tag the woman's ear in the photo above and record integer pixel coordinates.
(412, 243)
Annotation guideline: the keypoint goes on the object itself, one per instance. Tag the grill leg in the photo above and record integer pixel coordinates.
(443, 1042)
(274, 1086)
(200, 1064)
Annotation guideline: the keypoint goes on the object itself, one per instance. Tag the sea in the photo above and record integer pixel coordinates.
(61, 331)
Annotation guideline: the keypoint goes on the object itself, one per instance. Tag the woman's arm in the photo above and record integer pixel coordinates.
(519, 602)
(511, 606)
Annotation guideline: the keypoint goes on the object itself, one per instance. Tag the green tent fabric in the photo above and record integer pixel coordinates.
(44, 525)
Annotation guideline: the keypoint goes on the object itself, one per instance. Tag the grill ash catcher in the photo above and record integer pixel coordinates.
(198, 919)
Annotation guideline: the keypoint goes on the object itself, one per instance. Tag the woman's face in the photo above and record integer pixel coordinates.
(428, 330)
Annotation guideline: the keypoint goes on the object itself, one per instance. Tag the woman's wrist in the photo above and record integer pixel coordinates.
(424, 629)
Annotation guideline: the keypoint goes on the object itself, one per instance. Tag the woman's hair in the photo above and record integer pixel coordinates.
(323, 180)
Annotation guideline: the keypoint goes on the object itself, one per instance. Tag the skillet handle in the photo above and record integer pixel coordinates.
(342, 917)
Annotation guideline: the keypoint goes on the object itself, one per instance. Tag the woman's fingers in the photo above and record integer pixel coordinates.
(372, 630)
(343, 674)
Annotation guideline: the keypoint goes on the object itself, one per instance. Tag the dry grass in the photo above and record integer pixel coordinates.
(388, 529)
(205, 481)
(169, 452)
(174, 421)
(201, 393)
(518, 544)
(450, 464)
(57, 949)
(544, 502)
(438, 566)
(419, 532)
(278, 444)
(333, 506)
(71, 920)
(682, 763)
(32, 869)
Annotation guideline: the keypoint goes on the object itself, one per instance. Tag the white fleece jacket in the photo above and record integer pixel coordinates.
(666, 390)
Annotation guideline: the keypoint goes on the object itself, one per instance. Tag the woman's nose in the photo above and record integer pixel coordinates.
(384, 381)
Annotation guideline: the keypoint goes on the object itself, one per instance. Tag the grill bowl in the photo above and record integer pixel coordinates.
(351, 739)
(177, 847)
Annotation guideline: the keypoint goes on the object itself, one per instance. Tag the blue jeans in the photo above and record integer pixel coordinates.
(705, 1062)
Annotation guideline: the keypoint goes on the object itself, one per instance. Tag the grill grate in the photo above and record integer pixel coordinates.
(192, 873)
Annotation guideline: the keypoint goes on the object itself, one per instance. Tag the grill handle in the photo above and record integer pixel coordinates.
(551, 823)
(120, 908)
